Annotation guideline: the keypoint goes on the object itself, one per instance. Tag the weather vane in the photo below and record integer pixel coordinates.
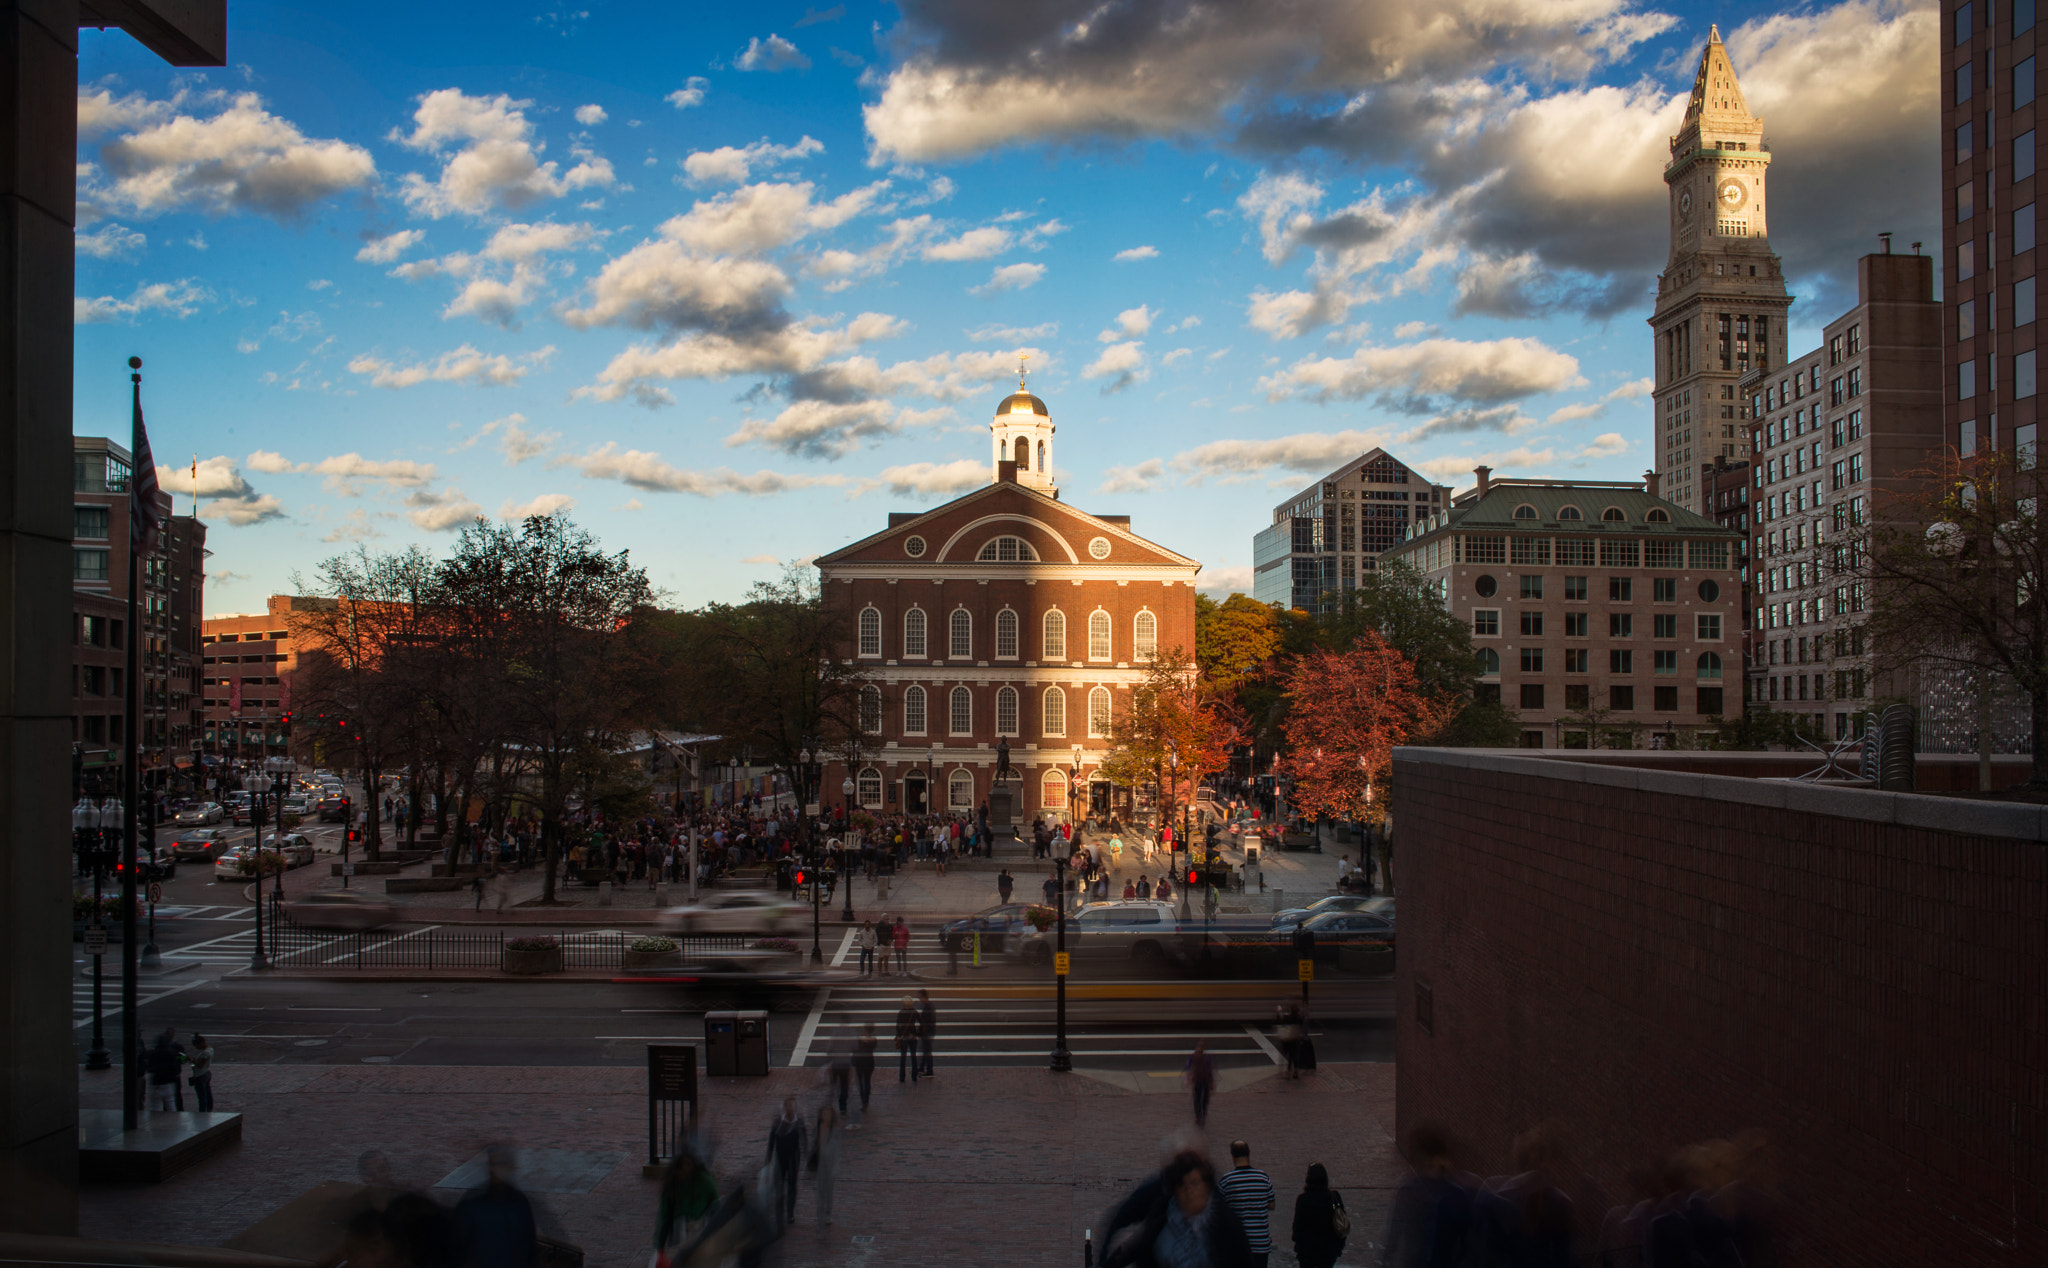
(1022, 359)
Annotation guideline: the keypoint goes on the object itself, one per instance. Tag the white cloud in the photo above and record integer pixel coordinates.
(690, 94)
(345, 471)
(241, 159)
(1044, 330)
(441, 512)
(1634, 389)
(269, 462)
(1131, 323)
(515, 442)
(821, 429)
(769, 560)
(1220, 581)
(460, 365)
(228, 495)
(1129, 254)
(1122, 364)
(591, 115)
(1406, 374)
(772, 54)
(387, 249)
(544, 505)
(1010, 277)
(508, 273)
(1605, 445)
(494, 165)
(788, 349)
(732, 165)
(648, 471)
(1142, 477)
(757, 218)
(935, 479)
(111, 241)
(179, 299)
(356, 526)
(975, 244)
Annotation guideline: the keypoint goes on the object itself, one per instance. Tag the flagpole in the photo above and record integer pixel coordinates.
(131, 1039)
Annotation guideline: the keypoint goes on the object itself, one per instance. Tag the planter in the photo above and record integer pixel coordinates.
(533, 963)
(651, 959)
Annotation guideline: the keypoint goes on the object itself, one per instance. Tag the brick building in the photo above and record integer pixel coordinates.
(1323, 538)
(247, 679)
(1005, 614)
(168, 610)
(1599, 610)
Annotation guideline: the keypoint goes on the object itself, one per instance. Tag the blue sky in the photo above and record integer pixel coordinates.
(729, 285)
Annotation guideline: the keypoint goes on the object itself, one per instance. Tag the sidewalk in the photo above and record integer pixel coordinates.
(941, 1173)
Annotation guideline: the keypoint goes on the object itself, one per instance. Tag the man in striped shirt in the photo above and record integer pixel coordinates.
(1249, 1192)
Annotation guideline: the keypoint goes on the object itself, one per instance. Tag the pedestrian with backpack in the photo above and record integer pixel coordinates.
(1321, 1224)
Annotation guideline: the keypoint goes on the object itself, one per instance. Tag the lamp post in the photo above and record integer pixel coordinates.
(281, 768)
(807, 779)
(1062, 1060)
(845, 854)
(930, 774)
(257, 963)
(85, 821)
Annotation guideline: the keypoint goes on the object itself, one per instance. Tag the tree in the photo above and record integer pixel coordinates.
(1235, 640)
(1175, 732)
(1402, 605)
(1950, 575)
(1349, 710)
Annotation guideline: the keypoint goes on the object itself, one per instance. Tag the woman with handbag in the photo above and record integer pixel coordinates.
(1321, 1223)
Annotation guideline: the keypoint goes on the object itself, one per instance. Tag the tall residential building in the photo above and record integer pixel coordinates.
(1005, 617)
(1990, 223)
(1721, 299)
(168, 611)
(1829, 433)
(1323, 538)
(247, 679)
(1601, 612)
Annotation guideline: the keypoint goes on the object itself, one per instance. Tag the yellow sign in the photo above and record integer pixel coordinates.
(1060, 960)
(1305, 970)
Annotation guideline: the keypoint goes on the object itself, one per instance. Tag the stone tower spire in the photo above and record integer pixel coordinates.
(1721, 301)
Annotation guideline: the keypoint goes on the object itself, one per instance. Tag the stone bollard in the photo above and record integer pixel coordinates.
(604, 893)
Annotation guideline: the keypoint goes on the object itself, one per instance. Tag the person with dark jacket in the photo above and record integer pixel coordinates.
(1432, 1212)
(1316, 1240)
(906, 1040)
(927, 1028)
(1178, 1221)
(786, 1151)
(495, 1226)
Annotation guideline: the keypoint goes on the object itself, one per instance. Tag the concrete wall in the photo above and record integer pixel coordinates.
(1648, 959)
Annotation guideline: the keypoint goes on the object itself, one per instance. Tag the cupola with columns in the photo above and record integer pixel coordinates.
(1022, 433)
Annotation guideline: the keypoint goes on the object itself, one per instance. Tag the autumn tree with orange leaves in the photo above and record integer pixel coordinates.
(1175, 732)
(1349, 710)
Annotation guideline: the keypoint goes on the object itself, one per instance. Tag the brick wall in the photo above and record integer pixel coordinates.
(1648, 959)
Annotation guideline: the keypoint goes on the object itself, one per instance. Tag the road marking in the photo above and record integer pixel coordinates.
(1258, 1037)
(802, 1051)
(323, 1008)
(114, 1011)
(335, 959)
(844, 946)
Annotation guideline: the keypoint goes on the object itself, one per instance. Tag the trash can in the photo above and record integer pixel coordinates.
(721, 1043)
(752, 1044)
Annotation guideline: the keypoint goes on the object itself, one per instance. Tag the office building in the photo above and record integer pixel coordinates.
(1324, 538)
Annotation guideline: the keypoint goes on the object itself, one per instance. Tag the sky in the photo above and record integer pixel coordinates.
(728, 284)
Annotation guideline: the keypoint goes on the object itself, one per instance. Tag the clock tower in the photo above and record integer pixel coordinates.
(1721, 299)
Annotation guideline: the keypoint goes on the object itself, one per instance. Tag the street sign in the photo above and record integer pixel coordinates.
(156, 892)
(1060, 961)
(1305, 970)
(671, 1084)
(96, 940)
(348, 869)
(812, 809)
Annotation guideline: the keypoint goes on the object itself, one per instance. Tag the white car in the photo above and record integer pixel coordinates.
(298, 849)
(744, 912)
(201, 814)
(346, 910)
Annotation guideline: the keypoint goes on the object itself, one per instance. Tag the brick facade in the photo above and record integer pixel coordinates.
(1650, 959)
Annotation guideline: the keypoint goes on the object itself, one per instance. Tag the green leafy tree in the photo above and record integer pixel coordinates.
(1401, 604)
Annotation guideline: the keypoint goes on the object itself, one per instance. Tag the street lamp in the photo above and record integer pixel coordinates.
(845, 855)
(281, 768)
(257, 963)
(807, 779)
(1173, 769)
(1062, 1060)
(85, 824)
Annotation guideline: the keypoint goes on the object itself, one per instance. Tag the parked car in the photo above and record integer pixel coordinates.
(1383, 907)
(341, 909)
(1141, 934)
(744, 912)
(199, 845)
(998, 927)
(200, 813)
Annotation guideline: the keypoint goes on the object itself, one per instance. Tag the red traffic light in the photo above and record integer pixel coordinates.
(799, 878)
(1194, 878)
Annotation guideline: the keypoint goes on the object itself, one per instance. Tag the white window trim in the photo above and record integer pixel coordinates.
(951, 727)
(955, 778)
(923, 723)
(925, 652)
(1045, 728)
(861, 786)
(1138, 651)
(1044, 645)
(951, 620)
(1016, 712)
(871, 696)
(1109, 622)
(860, 633)
(1017, 634)
(1109, 720)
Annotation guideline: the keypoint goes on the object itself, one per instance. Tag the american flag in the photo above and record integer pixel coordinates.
(142, 489)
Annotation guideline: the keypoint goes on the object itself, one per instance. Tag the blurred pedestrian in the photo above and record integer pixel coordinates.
(1289, 1030)
(864, 1063)
(906, 1040)
(927, 1028)
(688, 1192)
(1200, 1077)
(1321, 1223)
(1249, 1193)
(1178, 1221)
(495, 1224)
(1429, 1224)
(786, 1154)
(1004, 884)
(825, 1158)
(899, 937)
(163, 1065)
(1526, 1219)
(202, 1073)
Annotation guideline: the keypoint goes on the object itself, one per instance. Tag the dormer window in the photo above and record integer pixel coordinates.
(1007, 550)
(1525, 512)
(1658, 515)
(1569, 513)
(1614, 515)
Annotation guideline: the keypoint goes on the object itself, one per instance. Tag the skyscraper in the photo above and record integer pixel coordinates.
(1721, 299)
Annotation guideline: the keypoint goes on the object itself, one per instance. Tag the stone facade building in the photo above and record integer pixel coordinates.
(1600, 611)
(1006, 615)
(1325, 537)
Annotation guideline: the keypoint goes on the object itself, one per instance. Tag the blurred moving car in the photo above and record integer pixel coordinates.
(200, 813)
(1336, 930)
(343, 909)
(1383, 907)
(998, 927)
(744, 912)
(1142, 934)
(201, 845)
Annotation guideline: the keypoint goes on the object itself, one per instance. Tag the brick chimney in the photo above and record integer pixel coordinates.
(1006, 472)
(1650, 483)
(1484, 476)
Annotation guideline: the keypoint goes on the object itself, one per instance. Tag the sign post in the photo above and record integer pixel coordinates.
(671, 1086)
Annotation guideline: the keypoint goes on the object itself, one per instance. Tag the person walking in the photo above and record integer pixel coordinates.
(786, 1151)
(1178, 1221)
(866, 939)
(163, 1065)
(899, 937)
(1290, 1029)
(688, 1192)
(1004, 884)
(864, 1065)
(906, 1040)
(1200, 1077)
(1431, 1218)
(1249, 1193)
(1116, 853)
(825, 1158)
(494, 1224)
(201, 1059)
(1320, 1222)
(927, 1028)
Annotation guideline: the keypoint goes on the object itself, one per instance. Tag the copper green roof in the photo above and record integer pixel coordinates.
(1494, 512)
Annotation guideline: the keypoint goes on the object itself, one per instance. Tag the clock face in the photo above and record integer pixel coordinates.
(1685, 204)
(1732, 194)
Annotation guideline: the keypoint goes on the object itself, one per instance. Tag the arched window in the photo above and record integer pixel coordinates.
(1007, 550)
(1489, 663)
(1525, 512)
(1055, 636)
(1098, 635)
(870, 788)
(1041, 456)
(1144, 636)
(963, 634)
(1054, 796)
(1098, 712)
(1006, 711)
(1569, 513)
(913, 711)
(913, 634)
(1710, 664)
(1055, 711)
(870, 632)
(1006, 634)
(1658, 515)
(1023, 454)
(1614, 515)
(962, 711)
(871, 709)
(960, 790)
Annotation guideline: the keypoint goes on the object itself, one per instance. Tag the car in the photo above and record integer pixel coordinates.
(296, 805)
(240, 812)
(1139, 933)
(743, 912)
(298, 849)
(332, 808)
(228, 865)
(1335, 902)
(199, 845)
(1334, 930)
(200, 813)
(997, 927)
(345, 910)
